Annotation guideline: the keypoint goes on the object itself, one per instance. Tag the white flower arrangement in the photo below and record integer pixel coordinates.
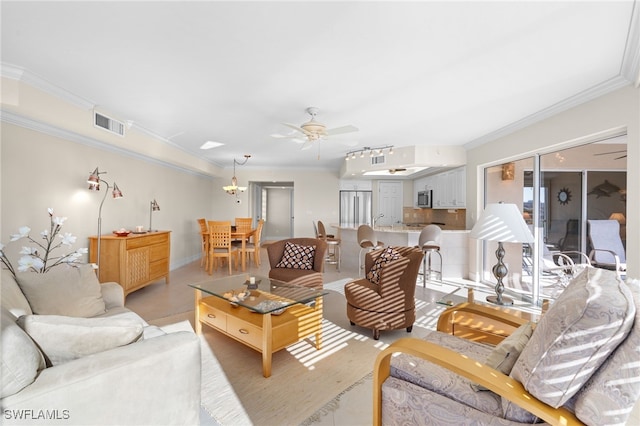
(40, 259)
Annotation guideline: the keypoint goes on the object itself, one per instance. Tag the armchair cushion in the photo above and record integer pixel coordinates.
(64, 290)
(297, 256)
(387, 255)
(437, 379)
(581, 329)
(63, 339)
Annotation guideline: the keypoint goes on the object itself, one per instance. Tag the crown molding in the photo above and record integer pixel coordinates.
(48, 129)
(612, 84)
(630, 67)
(20, 74)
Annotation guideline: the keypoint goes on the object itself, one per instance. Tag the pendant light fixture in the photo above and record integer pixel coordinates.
(233, 189)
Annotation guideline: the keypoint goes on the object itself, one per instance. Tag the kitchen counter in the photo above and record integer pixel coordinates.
(454, 246)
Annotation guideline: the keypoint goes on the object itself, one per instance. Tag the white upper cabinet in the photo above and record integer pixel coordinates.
(449, 188)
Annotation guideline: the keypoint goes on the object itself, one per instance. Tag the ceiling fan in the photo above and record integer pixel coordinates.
(614, 152)
(396, 170)
(313, 130)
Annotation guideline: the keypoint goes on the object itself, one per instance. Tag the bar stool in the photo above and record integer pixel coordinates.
(429, 242)
(368, 242)
(333, 246)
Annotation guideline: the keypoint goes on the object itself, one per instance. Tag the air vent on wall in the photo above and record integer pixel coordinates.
(378, 159)
(108, 124)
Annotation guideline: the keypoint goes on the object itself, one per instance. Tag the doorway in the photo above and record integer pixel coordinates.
(273, 202)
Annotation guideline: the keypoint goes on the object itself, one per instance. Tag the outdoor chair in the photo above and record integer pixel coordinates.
(607, 249)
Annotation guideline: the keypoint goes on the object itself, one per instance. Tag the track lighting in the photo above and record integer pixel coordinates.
(351, 155)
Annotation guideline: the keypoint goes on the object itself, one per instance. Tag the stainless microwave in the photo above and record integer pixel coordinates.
(425, 198)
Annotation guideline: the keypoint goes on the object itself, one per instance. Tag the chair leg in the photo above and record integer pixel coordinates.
(352, 323)
(376, 334)
(410, 328)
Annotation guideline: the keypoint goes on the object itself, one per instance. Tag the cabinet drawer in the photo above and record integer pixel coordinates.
(158, 269)
(212, 316)
(247, 333)
(158, 251)
(147, 240)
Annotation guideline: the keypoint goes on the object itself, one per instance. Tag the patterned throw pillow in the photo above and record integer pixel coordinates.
(297, 257)
(388, 255)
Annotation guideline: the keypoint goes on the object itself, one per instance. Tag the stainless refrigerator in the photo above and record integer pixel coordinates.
(355, 208)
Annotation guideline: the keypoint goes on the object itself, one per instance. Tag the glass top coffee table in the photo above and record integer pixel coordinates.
(266, 316)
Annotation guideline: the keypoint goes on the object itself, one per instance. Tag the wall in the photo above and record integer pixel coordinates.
(41, 171)
(607, 115)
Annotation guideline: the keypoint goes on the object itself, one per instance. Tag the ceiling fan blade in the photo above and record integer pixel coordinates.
(294, 127)
(343, 129)
(610, 152)
(278, 136)
(308, 144)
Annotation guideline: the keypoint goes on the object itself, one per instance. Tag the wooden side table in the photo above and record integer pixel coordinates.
(134, 261)
(483, 322)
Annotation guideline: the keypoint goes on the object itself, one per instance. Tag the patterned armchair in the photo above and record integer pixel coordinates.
(578, 366)
(384, 300)
(293, 261)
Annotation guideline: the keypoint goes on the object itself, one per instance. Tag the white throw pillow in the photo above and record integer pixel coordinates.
(63, 339)
(21, 359)
(64, 290)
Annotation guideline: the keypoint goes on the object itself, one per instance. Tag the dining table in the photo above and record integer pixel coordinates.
(242, 235)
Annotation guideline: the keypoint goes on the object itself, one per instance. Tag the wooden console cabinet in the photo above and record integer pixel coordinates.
(133, 261)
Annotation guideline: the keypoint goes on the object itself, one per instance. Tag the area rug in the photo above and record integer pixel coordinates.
(304, 381)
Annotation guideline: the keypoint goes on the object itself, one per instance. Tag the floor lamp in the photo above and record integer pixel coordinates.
(94, 185)
(502, 223)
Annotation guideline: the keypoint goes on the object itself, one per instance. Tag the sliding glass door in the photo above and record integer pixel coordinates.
(557, 193)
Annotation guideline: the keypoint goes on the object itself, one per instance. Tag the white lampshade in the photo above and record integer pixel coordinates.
(502, 222)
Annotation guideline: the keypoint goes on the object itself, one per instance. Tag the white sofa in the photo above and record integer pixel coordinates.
(54, 376)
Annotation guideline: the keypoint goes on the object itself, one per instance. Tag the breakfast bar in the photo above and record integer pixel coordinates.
(454, 246)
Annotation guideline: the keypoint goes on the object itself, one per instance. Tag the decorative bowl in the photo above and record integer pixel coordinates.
(122, 233)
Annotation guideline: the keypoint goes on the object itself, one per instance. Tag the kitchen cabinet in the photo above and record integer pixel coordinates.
(133, 261)
(449, 188)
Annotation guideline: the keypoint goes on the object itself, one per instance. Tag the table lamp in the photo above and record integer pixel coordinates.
(502, 223)
(153, 207)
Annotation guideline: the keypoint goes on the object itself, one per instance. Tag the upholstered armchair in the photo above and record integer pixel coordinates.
(293, 261)
(578, 365)
(384, 299)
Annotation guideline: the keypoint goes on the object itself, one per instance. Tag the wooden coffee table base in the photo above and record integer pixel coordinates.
(266, 333)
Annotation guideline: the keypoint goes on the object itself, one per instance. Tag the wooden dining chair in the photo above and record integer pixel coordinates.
(220, 244)
(254, 247)
(204, 236)
(244, 224)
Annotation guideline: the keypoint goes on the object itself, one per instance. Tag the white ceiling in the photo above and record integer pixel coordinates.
(404, 73)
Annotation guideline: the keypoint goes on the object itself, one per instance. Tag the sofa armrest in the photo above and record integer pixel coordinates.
(113, 295)
(473, 370)
(154, 381)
